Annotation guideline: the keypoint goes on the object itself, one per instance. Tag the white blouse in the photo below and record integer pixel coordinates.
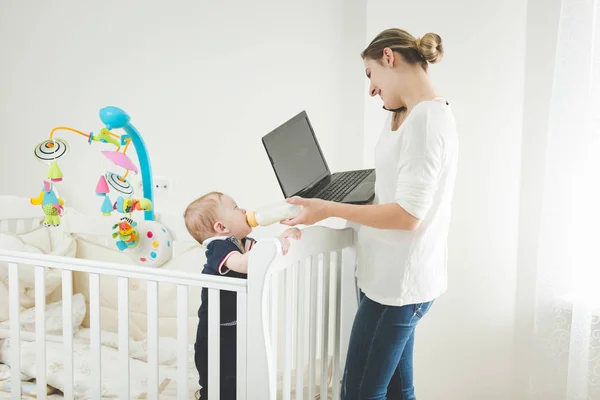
(416, 168)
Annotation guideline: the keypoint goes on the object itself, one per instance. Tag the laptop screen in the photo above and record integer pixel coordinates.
(295, 155)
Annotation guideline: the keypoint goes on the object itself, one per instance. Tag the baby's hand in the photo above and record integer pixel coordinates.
(293, 233)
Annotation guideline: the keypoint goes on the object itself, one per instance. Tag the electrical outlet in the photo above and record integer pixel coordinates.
(162, 185)
(136, 182)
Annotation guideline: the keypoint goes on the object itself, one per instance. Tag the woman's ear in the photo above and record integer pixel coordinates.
(220, 228)
(388, 57)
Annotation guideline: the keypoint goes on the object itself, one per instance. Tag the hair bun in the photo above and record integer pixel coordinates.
(430, 47)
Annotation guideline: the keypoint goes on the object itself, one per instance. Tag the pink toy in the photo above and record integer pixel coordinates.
(102, 186)
(121, 160)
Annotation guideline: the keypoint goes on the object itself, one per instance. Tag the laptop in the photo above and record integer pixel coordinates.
(301, 169)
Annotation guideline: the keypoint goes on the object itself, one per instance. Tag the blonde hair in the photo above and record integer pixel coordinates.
(426, 50)
(200, 216)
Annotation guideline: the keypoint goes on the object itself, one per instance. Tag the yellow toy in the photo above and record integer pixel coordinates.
(127, 232)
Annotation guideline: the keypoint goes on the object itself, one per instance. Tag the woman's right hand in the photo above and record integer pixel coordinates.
(313, 211)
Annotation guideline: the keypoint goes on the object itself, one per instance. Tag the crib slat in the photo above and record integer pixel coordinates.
(40, 330)
(20, 228)
(214, 343)
(15, 331)
(182, 341)
(12, 226)
(312, 339)
(152, 338)
(325, 327)
(67, 315)
(288, 350)
(300, 312)
(336, 330)
(274, 320)
(241, 345)
(96, 361)
(295, 328)
(123, 317)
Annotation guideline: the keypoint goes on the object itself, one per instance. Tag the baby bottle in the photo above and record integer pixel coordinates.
(272, 213)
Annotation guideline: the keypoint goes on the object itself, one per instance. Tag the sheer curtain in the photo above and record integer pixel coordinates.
(567, 316)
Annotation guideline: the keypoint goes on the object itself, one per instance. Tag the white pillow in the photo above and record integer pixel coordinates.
(53, 317)
(38, 237)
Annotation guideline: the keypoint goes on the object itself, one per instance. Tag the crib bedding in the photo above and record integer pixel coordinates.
(43, 240)
(190, 260)
(167, 360)
(54, 241)
(39, 241)
(82, 388)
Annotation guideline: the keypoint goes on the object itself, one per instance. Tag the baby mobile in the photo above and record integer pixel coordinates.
(146, 241)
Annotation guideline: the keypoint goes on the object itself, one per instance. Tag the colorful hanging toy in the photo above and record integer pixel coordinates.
(147, 242)
(49, 152)
(128, 234)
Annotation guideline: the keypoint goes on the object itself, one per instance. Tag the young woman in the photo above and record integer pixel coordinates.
(402, 241)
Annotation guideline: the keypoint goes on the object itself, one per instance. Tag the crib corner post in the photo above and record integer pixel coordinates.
(348, 265)
(261, 379)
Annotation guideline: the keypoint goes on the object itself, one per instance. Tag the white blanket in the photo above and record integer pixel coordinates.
(82, 378)
(37, 241)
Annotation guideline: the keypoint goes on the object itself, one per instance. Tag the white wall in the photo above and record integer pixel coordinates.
(203, 82)
(464, 347)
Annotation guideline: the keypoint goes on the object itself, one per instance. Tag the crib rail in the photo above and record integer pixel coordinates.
(304, 289)
(288, 323)
(123, 273)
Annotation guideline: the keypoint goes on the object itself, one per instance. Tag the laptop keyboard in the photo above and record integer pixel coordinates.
(340, 188)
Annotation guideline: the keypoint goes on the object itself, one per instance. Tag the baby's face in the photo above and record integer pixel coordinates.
(233, 218)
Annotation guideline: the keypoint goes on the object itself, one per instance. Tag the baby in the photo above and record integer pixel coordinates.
(216, 222)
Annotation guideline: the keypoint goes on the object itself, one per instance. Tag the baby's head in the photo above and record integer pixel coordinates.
(216, 214)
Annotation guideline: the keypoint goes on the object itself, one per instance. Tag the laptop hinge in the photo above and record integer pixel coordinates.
(311, 189)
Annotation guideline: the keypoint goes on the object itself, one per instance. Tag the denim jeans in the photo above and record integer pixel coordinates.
(379, 364)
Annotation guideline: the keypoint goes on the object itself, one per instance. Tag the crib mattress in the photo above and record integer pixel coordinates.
(169, 392)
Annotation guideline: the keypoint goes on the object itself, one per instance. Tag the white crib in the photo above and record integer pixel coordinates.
(289, 313)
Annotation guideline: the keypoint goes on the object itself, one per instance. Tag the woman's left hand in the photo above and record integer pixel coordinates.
(313, 211)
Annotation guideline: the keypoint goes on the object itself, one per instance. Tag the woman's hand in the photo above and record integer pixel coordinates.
(292, 233)
(313, 211)
(379, 216)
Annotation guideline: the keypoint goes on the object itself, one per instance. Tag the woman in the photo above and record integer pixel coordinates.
(402, 241)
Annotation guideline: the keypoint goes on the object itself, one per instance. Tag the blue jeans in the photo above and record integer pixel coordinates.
(379, 364)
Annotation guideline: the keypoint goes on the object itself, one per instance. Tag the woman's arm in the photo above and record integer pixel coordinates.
(380, 216)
